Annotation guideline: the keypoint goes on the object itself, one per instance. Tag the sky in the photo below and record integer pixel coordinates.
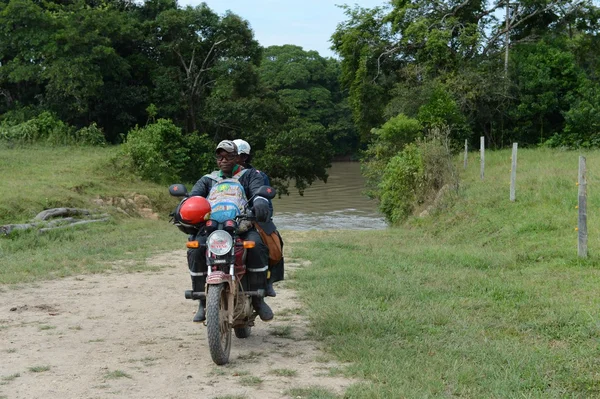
(305, 23)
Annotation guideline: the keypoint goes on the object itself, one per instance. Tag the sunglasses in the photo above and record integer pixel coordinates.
(228, 157)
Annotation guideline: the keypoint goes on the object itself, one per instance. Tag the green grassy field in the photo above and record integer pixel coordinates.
(486, 299)
(38, 178)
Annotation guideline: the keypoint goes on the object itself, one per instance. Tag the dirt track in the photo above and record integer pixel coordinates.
(122, 335)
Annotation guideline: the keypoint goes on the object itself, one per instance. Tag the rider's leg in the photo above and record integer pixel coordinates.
(275, 273)
(269, 290)
(257, 264)
(197, 265)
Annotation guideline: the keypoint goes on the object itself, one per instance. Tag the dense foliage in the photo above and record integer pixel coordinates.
(171, 81)
(525, 71)
(115, 67)
(526, 74)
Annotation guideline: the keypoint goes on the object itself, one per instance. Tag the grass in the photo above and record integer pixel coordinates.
(250, 380)
(9, 378)
(281, 331)
(46, 327)
(39, 369)
(38, 178)
(485, 299)
(290, 312)
(113, 375)
(284, 372)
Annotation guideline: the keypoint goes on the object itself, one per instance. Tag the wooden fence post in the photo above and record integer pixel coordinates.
(482, 152)
(466, 151)
(582, 220)
(513, 173)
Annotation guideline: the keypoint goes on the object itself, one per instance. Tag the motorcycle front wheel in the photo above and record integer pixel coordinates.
(217, 326)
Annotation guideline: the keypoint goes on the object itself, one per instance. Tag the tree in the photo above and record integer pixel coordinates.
(393, 59)
(308, 86)
(198, 48)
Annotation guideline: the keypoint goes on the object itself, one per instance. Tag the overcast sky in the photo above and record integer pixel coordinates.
(306, 23)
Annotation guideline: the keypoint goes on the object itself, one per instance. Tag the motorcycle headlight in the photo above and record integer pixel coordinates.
(219, 242)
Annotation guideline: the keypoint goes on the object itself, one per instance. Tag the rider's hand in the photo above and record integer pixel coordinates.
(261, 209)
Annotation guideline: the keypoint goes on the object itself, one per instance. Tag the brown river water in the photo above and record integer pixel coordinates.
(338, 204)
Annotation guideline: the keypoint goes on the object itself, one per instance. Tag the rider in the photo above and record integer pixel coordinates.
(257, 258)
(276, 272)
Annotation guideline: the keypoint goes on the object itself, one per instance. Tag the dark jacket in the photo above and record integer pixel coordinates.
(251, 180)
(269, 226)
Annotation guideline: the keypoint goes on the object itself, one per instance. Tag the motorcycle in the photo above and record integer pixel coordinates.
(228, 300)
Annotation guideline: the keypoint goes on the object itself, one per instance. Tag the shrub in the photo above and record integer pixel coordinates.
(396, 133)
(399, 131)
(157, 151)
(438, 164)
(416, 175)
(90, 135)
(45, 127)
(399, 184)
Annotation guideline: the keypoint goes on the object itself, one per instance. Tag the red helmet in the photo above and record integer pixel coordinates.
(194, 210)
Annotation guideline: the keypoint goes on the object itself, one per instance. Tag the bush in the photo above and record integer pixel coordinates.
(47, 128)
(438, 164)
(416, 175)
(399, 131)
(91, 135)
(157, 151)
(393, 136)
(401, 178)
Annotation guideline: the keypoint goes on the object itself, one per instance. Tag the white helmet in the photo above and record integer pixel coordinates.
(243, 146)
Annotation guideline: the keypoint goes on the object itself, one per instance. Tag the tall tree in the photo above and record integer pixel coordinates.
(395, 60)
(308, 85)
(197, 49)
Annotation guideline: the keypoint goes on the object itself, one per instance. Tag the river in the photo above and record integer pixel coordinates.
(338, 204)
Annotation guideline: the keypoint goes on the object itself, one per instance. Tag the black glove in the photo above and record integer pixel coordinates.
(261, 209)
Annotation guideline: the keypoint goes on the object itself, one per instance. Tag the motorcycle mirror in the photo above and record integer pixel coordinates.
(178, 190)
(267, 192)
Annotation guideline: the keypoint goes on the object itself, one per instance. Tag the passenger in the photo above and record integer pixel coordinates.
(276, 272)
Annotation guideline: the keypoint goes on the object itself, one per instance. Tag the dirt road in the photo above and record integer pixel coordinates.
(120, 335)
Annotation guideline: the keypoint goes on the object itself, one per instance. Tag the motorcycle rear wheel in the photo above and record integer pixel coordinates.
(217, 325)
(242, 332)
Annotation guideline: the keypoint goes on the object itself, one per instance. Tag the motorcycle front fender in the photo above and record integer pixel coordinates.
(218, 277)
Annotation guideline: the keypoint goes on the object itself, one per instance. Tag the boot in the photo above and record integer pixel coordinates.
(264, 311)
(269, 290)
(200, 315)
(198, 286)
